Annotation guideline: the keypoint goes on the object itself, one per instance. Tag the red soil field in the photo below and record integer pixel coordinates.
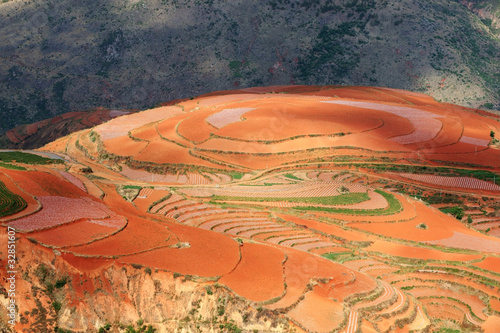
(259, 274)
(300, 267)
(59, 210)
(124, 146)
(143, 203)
(438, 309)
(227, 116)
(476, 242)
(147, 132)
(292, 117)
(122, 125)
(74, 180)
(491, 325)
(495, 304)
(317, 314)
(139, 235)
(209, 254)
(450, 134)
(330, 229)
(81, 232)
(439, 226)
(168, 129)
(474, 302)
(194, 127)
(172, 153)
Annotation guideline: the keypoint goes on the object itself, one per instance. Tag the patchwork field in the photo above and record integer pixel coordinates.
(316, 209)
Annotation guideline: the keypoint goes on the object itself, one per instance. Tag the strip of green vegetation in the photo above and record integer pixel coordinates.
(10, 203)
(236, 175)
(444, 198)
(132, 187)
(11, 167)
(340, 257)
(458, 212)
(343, 199)
(27, 158)
(289, 175)
(394, 207)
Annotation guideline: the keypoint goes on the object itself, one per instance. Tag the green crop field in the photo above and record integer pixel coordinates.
(343, 199)
(27, 158)
(10, 203)
(394, 207)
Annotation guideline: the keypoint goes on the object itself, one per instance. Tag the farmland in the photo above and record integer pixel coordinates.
(291, 209)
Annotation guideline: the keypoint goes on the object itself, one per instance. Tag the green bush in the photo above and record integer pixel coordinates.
(457, 211)
(57, 305)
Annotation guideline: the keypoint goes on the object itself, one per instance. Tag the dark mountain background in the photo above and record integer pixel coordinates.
(71, 55)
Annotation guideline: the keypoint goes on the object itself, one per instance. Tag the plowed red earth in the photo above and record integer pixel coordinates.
(124, 146)
(209, 254)
(439, 226)
(77, 233)
(140, 234)
(259, 274)
(330, 229)
(317, 313)
(490, 263)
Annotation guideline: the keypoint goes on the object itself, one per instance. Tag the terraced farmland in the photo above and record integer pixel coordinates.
(10, 203)
(318, 209)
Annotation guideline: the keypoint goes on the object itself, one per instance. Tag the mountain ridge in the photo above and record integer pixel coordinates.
(67, 56)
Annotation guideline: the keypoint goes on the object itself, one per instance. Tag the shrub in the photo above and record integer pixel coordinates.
(61, 282)
(56, 305)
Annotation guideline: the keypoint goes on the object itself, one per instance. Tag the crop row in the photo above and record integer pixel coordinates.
(461, 182)
(394, 206)
(75, 181)
(342, 199)
(10, 203)
(303, 190)
(59, 210)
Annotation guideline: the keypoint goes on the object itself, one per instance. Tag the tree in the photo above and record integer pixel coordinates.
(492, 134)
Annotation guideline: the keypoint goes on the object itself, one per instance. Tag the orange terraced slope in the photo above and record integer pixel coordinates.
(280, 209)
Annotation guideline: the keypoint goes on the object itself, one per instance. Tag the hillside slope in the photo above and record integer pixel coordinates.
(284, 209)
(69, 55)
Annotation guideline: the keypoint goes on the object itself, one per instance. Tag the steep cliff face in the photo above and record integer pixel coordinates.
(55, 291)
